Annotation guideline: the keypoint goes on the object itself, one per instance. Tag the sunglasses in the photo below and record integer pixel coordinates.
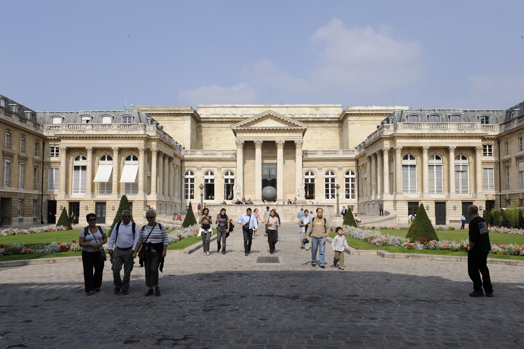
(92, 219)
(149, 217)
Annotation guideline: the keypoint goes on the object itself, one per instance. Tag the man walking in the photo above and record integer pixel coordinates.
(316, 233)
(381, 209)
(343, 212)
(300, 213)
(463, 222)
(124, 237)
(479, 247)
(249, 224)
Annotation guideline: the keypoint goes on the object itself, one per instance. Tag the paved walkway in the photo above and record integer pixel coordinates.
(231, 301)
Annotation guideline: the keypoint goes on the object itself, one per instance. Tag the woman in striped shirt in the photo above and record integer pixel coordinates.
(153, 239)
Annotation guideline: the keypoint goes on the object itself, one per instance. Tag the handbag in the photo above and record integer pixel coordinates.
(102, 252)
(142, 250)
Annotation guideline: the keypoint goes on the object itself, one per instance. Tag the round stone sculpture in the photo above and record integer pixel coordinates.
(269, 194)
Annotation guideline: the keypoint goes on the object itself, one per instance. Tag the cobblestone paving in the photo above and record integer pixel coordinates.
(230, 301)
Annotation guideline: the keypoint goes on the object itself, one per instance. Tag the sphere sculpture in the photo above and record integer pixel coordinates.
(269, 194)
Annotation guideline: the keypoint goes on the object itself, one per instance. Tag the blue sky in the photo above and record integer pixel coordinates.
(76, 55)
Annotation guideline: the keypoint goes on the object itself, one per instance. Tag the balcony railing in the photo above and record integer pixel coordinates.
(333, 153)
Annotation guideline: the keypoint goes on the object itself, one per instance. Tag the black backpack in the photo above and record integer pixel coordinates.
(133, 227)
(86, 230)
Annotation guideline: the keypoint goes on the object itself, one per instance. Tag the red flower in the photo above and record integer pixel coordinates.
(1, 245)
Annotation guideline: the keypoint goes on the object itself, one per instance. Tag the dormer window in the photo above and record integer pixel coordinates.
(57, 120)
(86, 119)
(107, 119)
(455, 118)
(412, 118)
(14, 108)
(3, 103)
(434, 118)
(485, 119)
(127, 119)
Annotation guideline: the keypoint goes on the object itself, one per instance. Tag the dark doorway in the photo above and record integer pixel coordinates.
(51, 211)
(440, 213)
(269, 175)
(412, 208)
(465, 206)
(490, 205)
(74, 207)
(100, 211)
(5, 212)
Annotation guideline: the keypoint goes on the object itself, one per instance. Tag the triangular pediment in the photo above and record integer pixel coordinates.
(269, 120)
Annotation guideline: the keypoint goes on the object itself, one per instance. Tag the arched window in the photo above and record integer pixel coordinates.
(209, 185)
(455, 118)
(105, 182)
(391, 176)
(434, 118)
(131, 167)
(409, 174)
(79, 174)
(229, 185)
(329, 185)
(461, 174)
(435, 175)
(412, 118)
(485, 119)
(349, 183)
(309, 185)
(189, 185)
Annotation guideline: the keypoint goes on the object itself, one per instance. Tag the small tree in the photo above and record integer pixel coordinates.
(124, 205)
(349, 219)
(190, 218)
(510, 216)
(421, 227)
(496, 216)
(64, 220)
(486, 216)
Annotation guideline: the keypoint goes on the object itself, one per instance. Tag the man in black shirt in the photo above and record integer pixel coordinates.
(479, 247)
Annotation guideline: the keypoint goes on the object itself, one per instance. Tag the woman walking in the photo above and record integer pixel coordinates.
(272, 223)
(303, 223)
(222, 230)
(206, 231)
(153, 239)
(91, 240)
(258, 218)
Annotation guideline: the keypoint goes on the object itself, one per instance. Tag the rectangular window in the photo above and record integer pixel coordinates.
(489, 179)
(131, 188)
(7, 140)
(487, 150)
(35, 205)
(22, 145)
(35, 178)
(53, 179)
(79, 179)
(37, 149)
(409, 179)
(507, 177)
(106, 188)
(520, 143)
(435, 179)
(521, 176)
(54, 151)
(506, 148)
(21, 176)
(7, 172)
(20, 208)
(462, 179)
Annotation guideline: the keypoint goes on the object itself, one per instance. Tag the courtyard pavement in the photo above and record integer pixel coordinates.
(232, 302)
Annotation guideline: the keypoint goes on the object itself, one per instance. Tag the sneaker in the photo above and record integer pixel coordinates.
(125, 292)
(323, 266)
(476, 294)
(117, 290)
(208, 253)
(149, 292)
(489, 294)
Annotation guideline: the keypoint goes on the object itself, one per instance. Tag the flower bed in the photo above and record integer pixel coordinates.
(402, 227)
(11, 231)
(504, 230)
(376, 238)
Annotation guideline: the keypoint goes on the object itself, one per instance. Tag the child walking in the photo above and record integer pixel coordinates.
(338, 245)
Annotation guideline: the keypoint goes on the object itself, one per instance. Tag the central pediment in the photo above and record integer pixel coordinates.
(269, 121)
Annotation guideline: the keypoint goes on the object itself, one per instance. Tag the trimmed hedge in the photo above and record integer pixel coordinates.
(190, 218)
(124, 205)
(349, 219)
(421, 228)
(64, 220)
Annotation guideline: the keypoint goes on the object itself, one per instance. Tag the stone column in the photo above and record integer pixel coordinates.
(373, 176)
(89, 172)
(160, 163)
(425, 170)
(368, 177)
(478, 170)
(141, 170)
(386, 170)
(61, 173)
(154, 153)
(166, 176)
(398, 170)
(452, 170)
(114, 190)
(380, 189)
(280, 170)
(171, 175)
(239, 178)
(298, 164)
(258, 170)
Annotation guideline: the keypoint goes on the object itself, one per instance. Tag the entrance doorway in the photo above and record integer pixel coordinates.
(440, 213)
(51, 211)
(465, 206)
(100, 211)
(269, 175)
(5, 211)
(490, 205)
(74, 207)
(412, 208)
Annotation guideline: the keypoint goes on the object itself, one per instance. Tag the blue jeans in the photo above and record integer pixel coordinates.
(319, 244)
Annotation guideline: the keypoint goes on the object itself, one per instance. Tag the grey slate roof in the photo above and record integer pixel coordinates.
(514, 111)
(75, 117)
(22, 109)
(497, 116)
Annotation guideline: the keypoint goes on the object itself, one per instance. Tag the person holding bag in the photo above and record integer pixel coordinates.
(153, 241)
(222, 230)
(206, 231)
(272, 223)
(91, 240)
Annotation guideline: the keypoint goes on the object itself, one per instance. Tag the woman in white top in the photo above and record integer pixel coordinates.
(153, 239)
(91, 240)
(272, 223)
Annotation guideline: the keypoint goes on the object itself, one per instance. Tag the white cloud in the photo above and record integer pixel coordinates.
(214, 94)
(265, 73)
(362, 60)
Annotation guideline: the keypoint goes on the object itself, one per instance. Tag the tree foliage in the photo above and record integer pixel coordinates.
(190, 218)
(349, 219)
(421, 228)
(496, 216)
(64, 220)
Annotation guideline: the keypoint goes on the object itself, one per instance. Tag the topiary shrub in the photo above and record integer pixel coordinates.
(64, 220)
(486, 216)
(510, 216)
(496, 216)
(349, 219)
(124, 205)
(421, 228)
(190, 218)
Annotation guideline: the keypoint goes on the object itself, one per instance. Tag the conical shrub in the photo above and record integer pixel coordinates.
(421, 228)
(64, 220)
(190, 218)
(124, 205)
(349, 219)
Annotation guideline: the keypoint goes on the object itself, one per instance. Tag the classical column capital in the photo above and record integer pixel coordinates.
(385, 151)
(154, 151)
(280, 144)
(63, 149)
(425, 149)
(398, 149)
(142, 150)
(452, 148)
(239, 143)
(258, 144)
(478, 149)
(299, 143)
(89, 150)
(115, 150)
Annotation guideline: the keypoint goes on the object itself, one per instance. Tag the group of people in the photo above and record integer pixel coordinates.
(125, 241)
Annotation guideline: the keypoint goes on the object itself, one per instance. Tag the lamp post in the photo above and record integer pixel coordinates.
(201, 186)
(338, 207)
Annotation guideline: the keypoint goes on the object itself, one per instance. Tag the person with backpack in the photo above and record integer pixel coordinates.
(222, 222)
(317, 232)
(153, 240)
(124, 237)
(91, 240)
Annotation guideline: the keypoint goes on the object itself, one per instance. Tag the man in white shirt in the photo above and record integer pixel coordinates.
(124, 236)
(249, 224)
